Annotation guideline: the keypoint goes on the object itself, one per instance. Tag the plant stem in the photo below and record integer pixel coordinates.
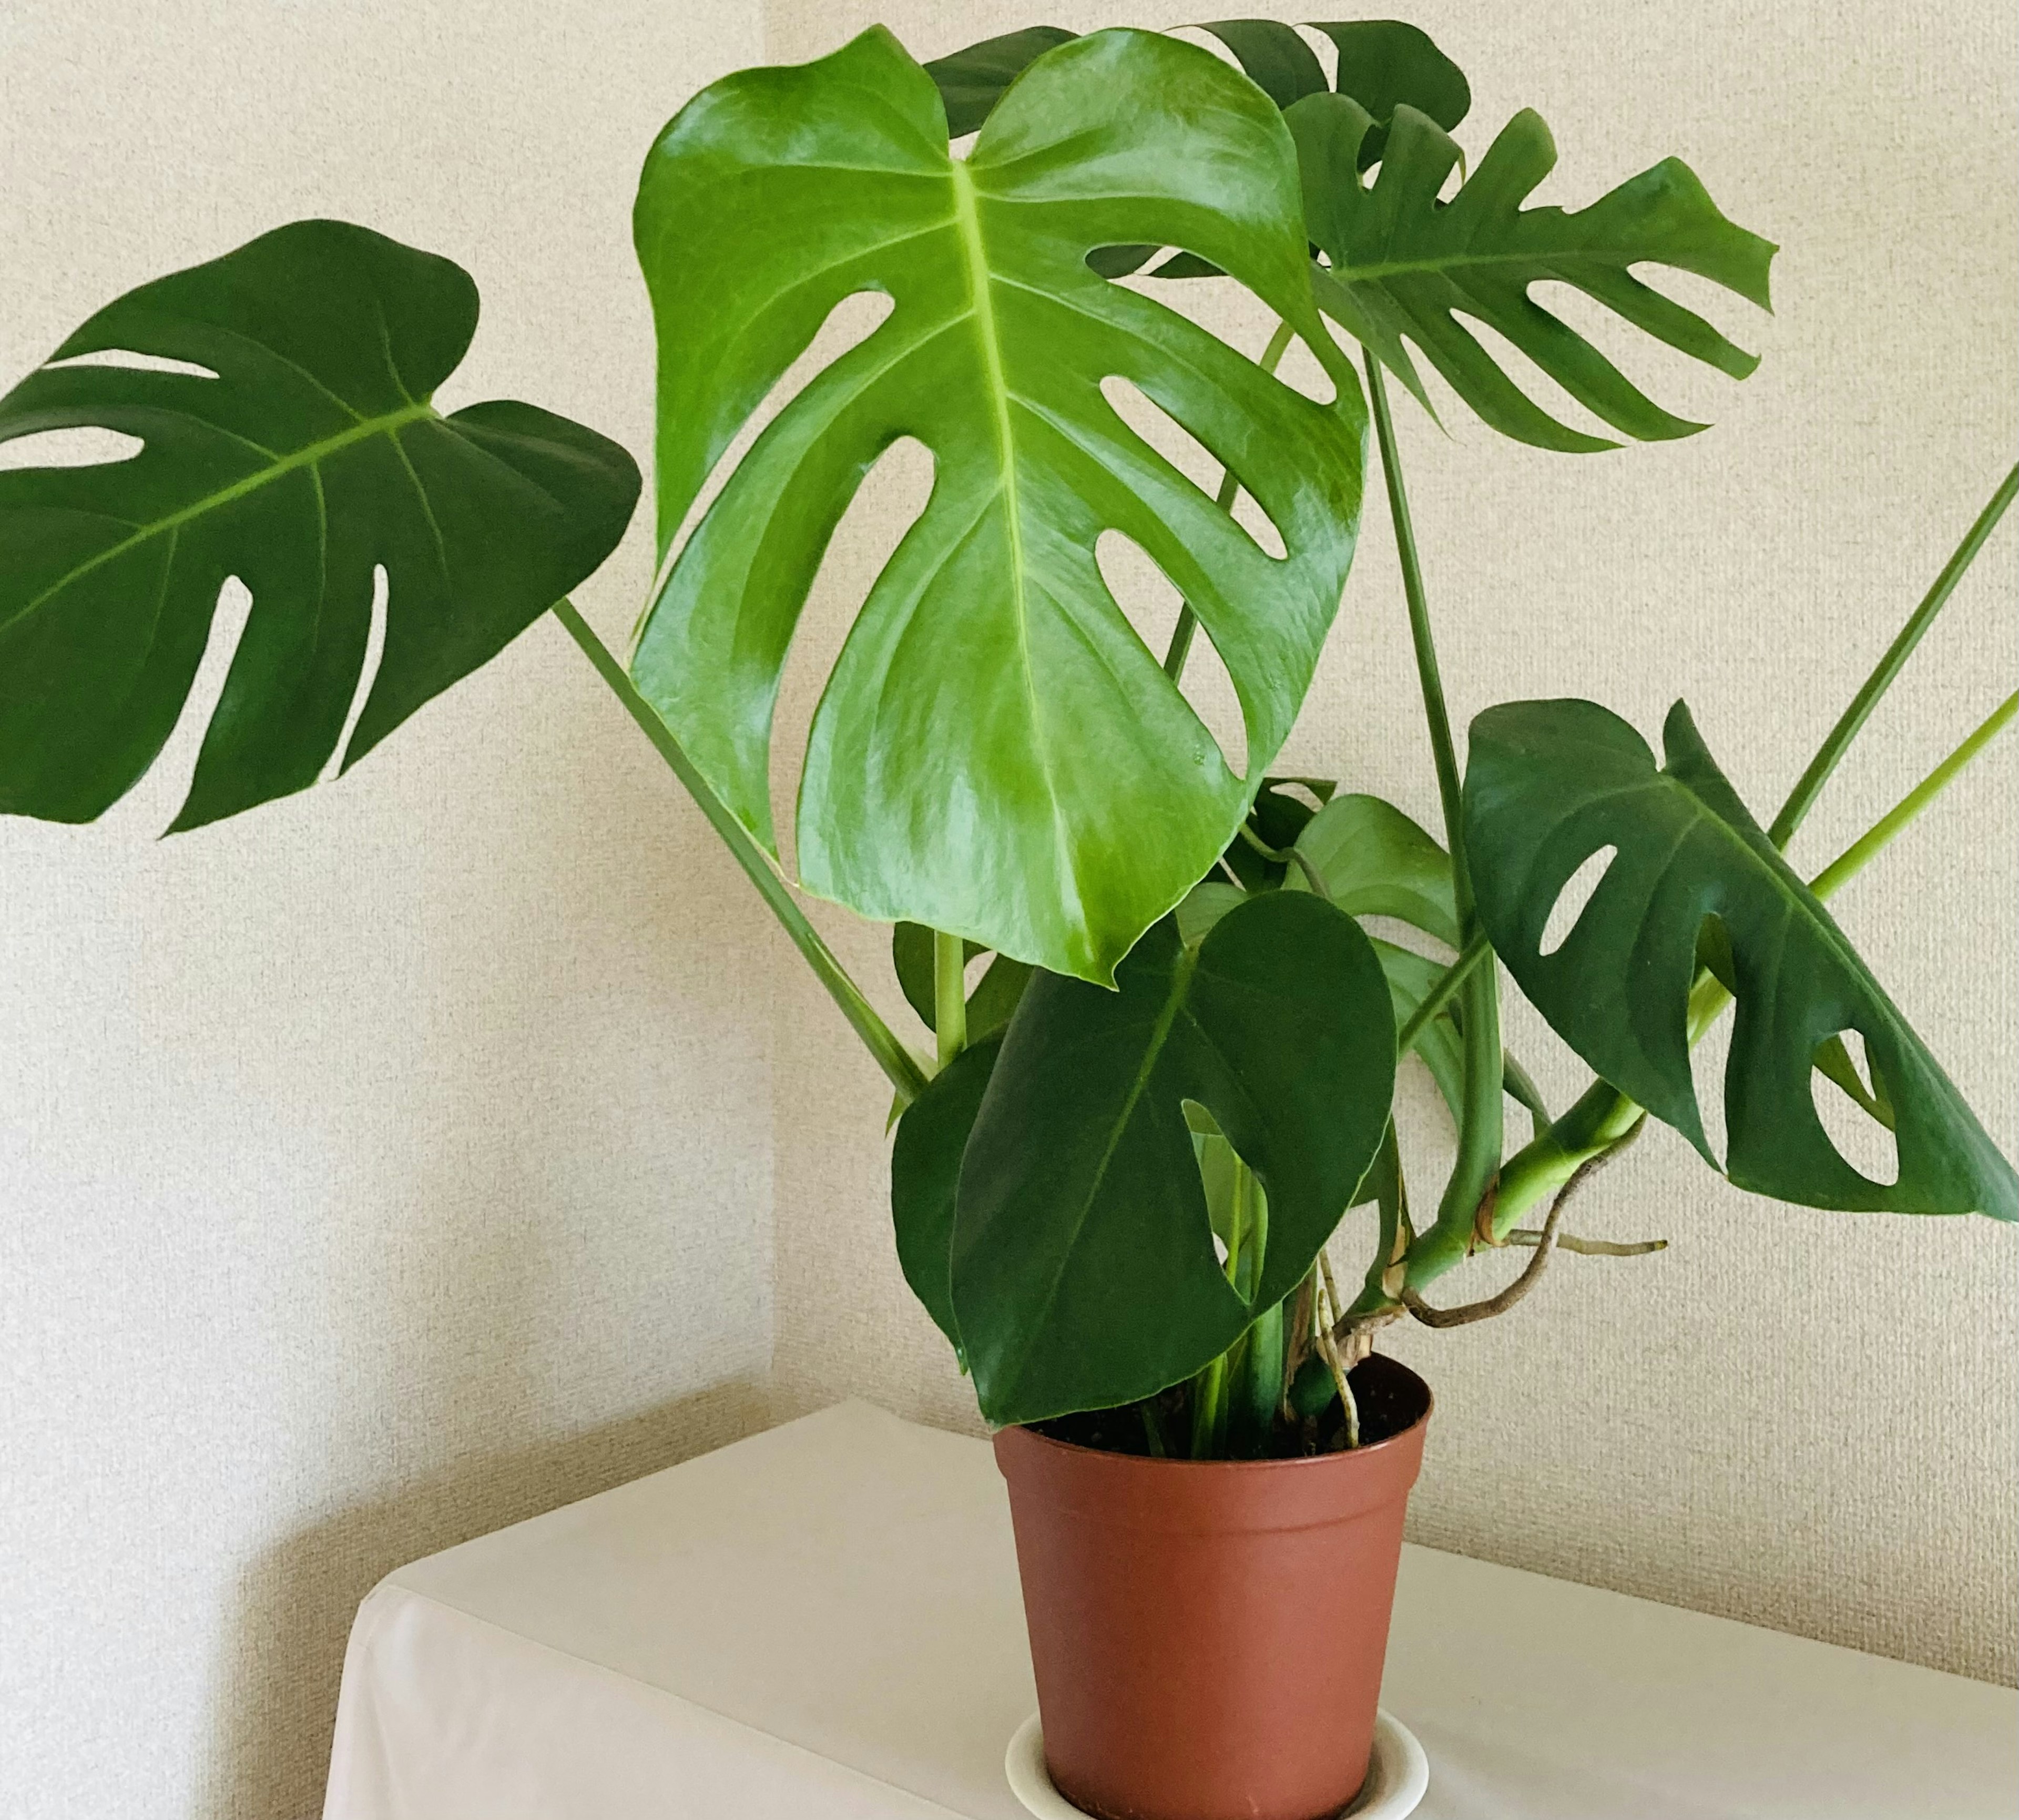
(1876, 839)
(1447, 988)
(890, 1054)
(1479, 1131)
(1802, 798)
(1181, 634)
(949, 995)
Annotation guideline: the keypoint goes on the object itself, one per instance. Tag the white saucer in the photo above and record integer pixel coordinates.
(1398, 1775)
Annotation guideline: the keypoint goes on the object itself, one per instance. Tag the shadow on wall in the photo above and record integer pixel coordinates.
(283, 1646)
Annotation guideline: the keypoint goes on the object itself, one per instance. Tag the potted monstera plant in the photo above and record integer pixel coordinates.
(1164, 1044)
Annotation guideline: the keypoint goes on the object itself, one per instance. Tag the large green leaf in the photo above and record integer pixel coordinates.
(1404, 266)
(312, 456)
(997, 754)
(1551, 784)
(1083, 1268)
(1382, 63)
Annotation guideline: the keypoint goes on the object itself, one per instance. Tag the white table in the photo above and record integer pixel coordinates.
(823, 1623)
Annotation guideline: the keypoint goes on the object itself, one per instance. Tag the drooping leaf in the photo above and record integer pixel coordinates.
(303, 453)
(1549, 785)
(1073, 795)
(1083, 1272)
(1404, 266)
(990, 1005)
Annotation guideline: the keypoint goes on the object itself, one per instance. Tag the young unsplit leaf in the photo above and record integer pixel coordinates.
(1072, 795)
(1404, 264)
(311, 457)
(1083, 1272)
(1552, 783)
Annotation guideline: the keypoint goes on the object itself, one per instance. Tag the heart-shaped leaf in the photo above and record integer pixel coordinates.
(1083, 1268)
(1404, 265)
(1552, 784)
(1071, 795)
(301, 453)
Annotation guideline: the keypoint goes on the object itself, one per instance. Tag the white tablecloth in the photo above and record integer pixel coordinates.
(823, 1622)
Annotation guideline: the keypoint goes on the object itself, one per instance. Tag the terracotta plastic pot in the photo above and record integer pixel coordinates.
(1209, 1635)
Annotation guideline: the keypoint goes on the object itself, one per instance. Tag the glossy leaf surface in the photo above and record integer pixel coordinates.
(996, 753)
(1083, 1268)
(1551, 784)
(309, 456)
(1405, 266)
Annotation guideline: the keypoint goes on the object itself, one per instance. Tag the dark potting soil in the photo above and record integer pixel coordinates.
(1390, 1398)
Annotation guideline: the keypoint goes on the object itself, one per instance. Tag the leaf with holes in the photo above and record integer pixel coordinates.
(1405, 266)
(1382, 63)
(996, 753)
(311, 457)
(1551, 783)
(1083, 1270)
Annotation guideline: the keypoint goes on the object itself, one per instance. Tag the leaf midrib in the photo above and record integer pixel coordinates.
(967, 227)
(310, 456)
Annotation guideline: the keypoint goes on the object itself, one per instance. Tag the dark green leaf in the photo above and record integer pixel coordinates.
(1073, 795)
(925, 1174)
(1276, 59)
(1385, 65)
(1083, 1273)
(1550, 785)
(1404, 265)
(971, 81)
(312, 456)
(1275, 820)
(990, 1005)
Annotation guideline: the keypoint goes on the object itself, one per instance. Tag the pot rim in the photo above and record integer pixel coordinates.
(1312, 1459)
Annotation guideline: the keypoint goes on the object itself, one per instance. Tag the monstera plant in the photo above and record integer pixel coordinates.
(1116, 1172)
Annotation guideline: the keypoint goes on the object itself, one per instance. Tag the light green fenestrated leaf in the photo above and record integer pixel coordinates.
(1404, 266)
(303, 454)
(1073, 794)
(1552, 783)
(1083, 1268)
(990, 1005)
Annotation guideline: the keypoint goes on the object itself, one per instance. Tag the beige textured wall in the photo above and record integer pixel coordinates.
(394, 1162)
(397, 1161)
(1800, 1419)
